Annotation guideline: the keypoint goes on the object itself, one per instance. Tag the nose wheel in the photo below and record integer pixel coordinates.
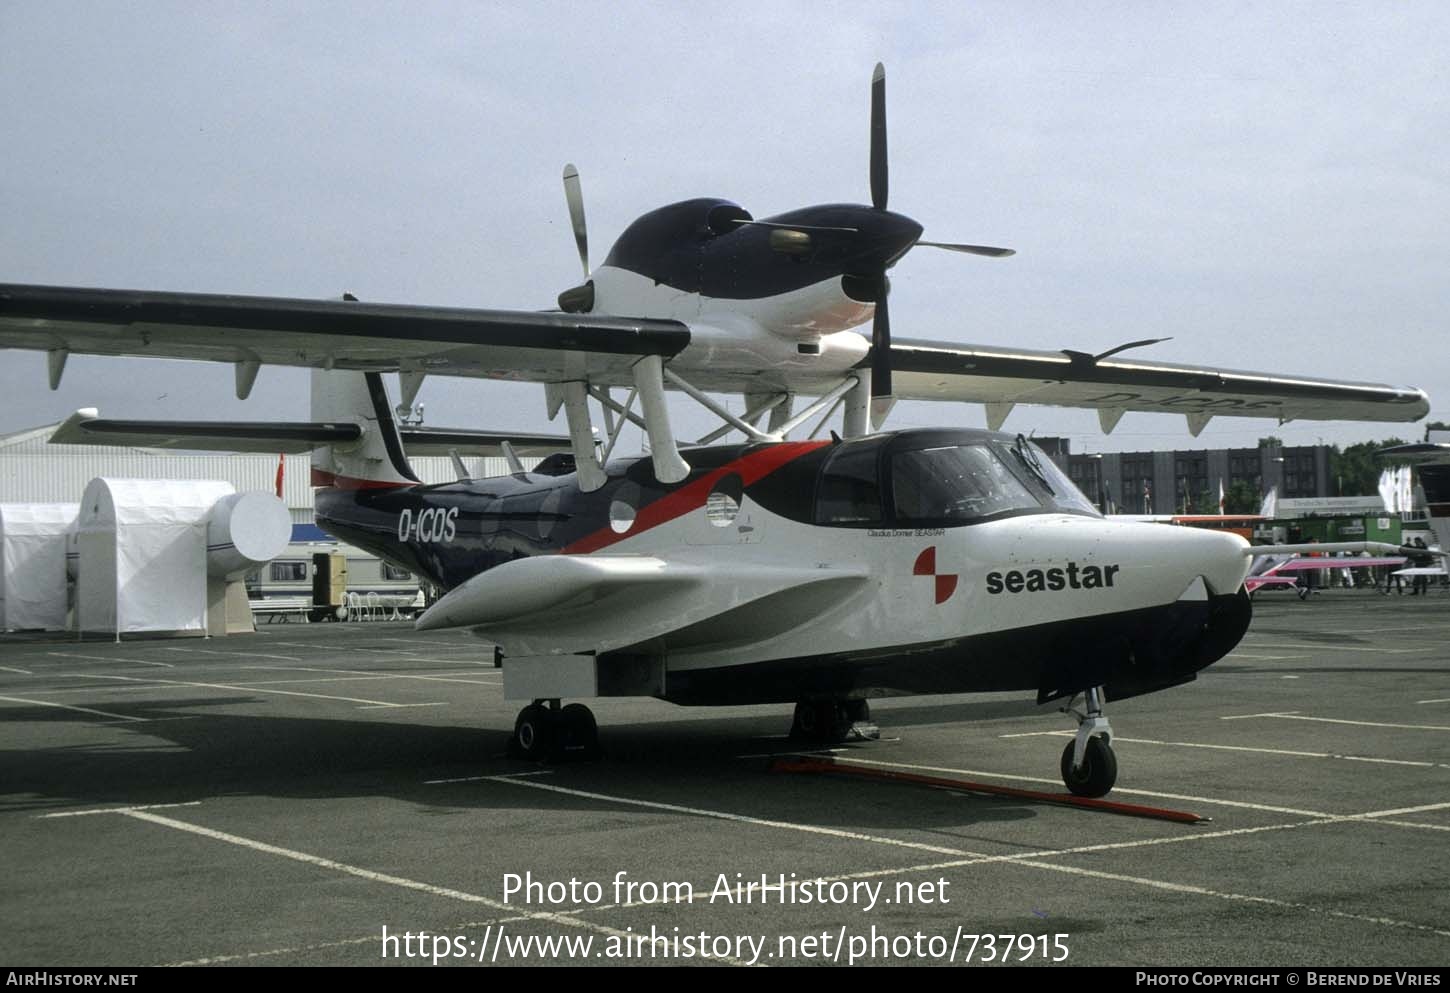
(829, 722)
(1089, 767)
(545, 732)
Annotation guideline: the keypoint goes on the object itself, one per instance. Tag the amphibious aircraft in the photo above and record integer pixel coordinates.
(820, 572)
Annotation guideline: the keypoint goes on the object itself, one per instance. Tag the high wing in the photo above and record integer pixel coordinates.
(522, 345)
(558, 347)
(928, 370)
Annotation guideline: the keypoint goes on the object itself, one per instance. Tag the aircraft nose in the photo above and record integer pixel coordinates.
(1221, 558)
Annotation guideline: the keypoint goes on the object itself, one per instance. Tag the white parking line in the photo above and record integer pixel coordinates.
(107, 658)
(1357, 631)
(1351, 648)
(1403, 810)
(737, 818)
(11, 668)
(161, 683)
(236, 655)
(1057, 782)
(117, 810)
(478, 779)
(428, 658)
(66, 706)
(1244, 748)
(390, 880)
(371, 939)
(365, 674)
(354, 679)
(1033, 859)
(1296, 716)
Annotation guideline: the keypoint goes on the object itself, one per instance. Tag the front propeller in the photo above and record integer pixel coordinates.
(875, 283)
(577, 299)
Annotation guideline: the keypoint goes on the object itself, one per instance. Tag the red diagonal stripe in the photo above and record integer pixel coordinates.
(751, 469)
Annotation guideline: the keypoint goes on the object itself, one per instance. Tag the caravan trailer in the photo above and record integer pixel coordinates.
(327, 580)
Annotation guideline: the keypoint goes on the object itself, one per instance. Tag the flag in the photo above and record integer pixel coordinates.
(1270, 507)
(281, 465)
(1220, 495)
(1387, 490)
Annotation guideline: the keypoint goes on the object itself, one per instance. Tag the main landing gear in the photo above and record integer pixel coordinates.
(545, 731)
(1089, 767)
(829, 722)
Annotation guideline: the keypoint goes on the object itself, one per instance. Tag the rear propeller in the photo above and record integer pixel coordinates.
(577, 299)
(881, 395)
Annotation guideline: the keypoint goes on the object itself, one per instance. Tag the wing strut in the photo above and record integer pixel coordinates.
(581, 436)
(649, 375)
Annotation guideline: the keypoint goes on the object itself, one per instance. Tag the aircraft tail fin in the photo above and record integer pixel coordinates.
(376, 460)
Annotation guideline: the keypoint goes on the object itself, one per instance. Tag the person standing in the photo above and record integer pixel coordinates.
(1421, 560)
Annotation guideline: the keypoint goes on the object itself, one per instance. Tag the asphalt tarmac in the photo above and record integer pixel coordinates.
(292, 797)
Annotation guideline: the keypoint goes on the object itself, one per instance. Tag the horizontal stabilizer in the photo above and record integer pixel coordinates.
(86, 427)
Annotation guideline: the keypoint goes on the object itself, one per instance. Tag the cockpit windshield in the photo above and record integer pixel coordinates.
(942, 481)
(957, 483)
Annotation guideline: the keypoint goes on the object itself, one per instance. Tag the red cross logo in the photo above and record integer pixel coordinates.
(946, 584)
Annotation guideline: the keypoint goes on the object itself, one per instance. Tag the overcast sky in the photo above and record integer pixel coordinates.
(1265, 182)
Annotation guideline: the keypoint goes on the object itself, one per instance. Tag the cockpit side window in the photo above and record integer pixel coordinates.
(849, 491)
(958, 483)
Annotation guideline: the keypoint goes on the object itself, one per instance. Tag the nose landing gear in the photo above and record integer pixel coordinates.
(1089, 767)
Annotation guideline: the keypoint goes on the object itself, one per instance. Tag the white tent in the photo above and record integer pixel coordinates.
(143, 554)
(33, 592)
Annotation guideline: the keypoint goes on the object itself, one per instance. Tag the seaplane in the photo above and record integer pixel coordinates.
(823, 571)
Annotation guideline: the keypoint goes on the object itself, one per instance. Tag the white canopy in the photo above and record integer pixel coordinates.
(143, 557)
(32, 565)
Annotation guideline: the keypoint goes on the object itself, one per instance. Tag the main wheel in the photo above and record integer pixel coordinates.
(578, 732)
(534, 732)
(1099, 769)
(822, 722)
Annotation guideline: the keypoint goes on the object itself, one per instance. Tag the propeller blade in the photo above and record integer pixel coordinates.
(987, 250)
(878, 137)
(575, 196)
(881, 344)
